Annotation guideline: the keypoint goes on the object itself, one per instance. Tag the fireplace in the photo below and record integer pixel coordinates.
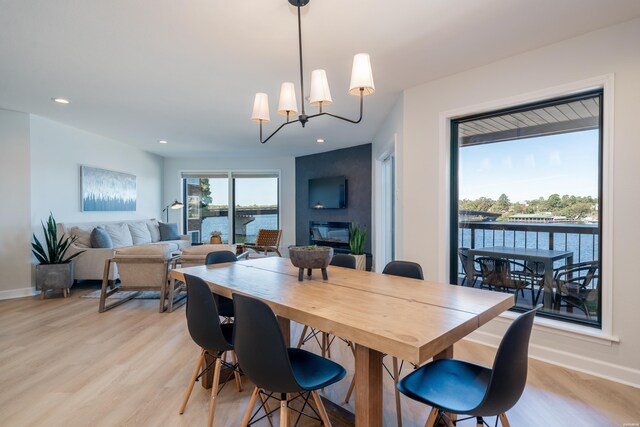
(334, 234)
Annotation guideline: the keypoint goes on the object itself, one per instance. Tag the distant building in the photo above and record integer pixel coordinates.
(538, 218)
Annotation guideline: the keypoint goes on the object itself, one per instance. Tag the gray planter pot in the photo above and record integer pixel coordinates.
(54, 276)
(310, 259)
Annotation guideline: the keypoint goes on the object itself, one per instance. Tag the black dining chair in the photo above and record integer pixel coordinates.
(214, 339)
(463, 254)
(344, 260)
(452, 386)
(411, 270)
(276, 369)
(225, 305)
(338, 260)
(408, 269)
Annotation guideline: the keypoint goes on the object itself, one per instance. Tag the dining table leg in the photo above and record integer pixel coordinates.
(547, 292)
(285, 328)
(447, 353)
(368, 387)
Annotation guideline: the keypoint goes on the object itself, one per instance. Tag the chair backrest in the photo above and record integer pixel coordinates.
(219, 257)
(404, 269)
(268, 237)
(144, 266)
(583, 274)
(343, 260)
(259, 346)
(463, 254)
(202, 316)
(509, 373)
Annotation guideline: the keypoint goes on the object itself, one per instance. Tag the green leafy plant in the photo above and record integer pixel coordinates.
(56, 249)
(357, 238)
(216, 233)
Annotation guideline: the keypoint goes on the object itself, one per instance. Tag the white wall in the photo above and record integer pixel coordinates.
(58, 151)
(388, 139)
(610, 50)
(15, 219)
(173, 167)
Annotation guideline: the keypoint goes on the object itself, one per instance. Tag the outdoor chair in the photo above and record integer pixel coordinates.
(504, 275)
(463, 254)
(266, 241)
(578, 285)
(141, 268)
(278, 371)
(213, 338)
(452, 386)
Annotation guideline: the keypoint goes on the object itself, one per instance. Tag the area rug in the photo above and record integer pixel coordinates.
(124, 294)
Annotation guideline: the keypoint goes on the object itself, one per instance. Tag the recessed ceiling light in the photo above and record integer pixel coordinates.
(162, 141)
(61, 100)
(320, 141)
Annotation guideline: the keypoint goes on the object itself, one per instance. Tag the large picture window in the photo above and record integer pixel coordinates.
(526, 205)
(236, 204)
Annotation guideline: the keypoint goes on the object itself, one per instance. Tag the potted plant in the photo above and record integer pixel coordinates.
(357, 239)
(216, 237)
(55, 270)
(311, 257)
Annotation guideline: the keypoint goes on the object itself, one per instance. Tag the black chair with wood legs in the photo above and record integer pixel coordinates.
(452, 386)
(225, 305)
(338, 260)
(287, 373)
(215, 339)
(410, 270)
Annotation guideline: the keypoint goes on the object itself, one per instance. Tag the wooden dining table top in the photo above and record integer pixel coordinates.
(407, 318)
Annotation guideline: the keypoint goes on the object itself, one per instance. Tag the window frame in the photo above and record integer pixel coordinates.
(606, 335)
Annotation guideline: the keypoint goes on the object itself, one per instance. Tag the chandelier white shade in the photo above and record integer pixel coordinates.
(320, 93)
(287, 104)
(361, 75)
(260, 108)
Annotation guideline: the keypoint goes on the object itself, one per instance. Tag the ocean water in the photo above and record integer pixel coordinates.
(221, 223)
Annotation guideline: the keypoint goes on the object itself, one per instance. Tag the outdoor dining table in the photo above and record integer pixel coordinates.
(545, 256)
(411, 319)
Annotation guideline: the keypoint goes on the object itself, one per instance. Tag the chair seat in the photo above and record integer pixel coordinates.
(313, 372)
(453, 385)
(225, 306)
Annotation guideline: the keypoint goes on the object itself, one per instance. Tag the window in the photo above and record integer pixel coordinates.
(250, 200)
(526, 205)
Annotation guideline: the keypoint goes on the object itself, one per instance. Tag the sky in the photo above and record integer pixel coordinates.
(530, 168)
(249, 191)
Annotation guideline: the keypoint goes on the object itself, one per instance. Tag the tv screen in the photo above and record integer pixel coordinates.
(328, 193)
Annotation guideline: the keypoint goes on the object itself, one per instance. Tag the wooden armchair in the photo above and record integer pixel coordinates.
(266, 241)
(141, 268)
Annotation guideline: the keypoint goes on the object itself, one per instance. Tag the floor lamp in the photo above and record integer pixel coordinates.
(174, 205)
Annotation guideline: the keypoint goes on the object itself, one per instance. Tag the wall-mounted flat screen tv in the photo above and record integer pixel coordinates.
(328, 193)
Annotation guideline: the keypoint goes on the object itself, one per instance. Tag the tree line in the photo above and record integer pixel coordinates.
(576, 207)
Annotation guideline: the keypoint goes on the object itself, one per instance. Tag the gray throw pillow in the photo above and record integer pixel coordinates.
(100, 238)
(168, 231)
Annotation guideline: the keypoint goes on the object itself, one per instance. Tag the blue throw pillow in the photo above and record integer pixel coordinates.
(100, 238)
(168, 231)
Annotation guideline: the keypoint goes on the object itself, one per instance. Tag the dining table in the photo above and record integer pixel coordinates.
(411, 319)
(546, 257)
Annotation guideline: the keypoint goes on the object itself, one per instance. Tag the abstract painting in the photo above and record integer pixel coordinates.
(105, 190)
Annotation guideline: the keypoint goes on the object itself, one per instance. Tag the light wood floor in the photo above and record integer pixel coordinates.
(63, 364)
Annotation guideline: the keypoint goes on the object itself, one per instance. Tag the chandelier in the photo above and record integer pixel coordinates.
(320, 96)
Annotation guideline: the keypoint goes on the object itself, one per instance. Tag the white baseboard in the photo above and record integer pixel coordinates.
(17, 293)
(587, 365)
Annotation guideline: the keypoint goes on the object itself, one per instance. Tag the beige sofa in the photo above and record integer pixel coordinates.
(90, 264)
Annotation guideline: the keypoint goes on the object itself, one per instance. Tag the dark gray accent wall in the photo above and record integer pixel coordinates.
(355, 164)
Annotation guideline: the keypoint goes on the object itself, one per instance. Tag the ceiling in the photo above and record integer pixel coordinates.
(186, 71)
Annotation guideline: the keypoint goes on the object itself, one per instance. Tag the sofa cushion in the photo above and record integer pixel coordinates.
(140, 233)
(168, 231)
(152, 225)
(120, 234)
(100, 238)
(83, 236)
